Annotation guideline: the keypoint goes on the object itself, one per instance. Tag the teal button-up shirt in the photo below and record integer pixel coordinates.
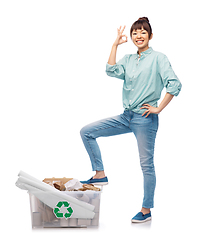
(144, 78)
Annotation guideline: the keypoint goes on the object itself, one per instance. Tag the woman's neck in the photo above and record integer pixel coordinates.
(140, 50)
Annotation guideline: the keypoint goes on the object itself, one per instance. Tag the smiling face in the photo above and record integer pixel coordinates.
(140, 38)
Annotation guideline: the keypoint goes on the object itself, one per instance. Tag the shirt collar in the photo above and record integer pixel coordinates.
(145, 53)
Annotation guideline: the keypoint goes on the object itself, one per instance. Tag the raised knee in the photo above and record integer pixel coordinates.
(82, 132)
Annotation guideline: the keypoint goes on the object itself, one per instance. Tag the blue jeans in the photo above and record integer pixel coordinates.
(144, 129)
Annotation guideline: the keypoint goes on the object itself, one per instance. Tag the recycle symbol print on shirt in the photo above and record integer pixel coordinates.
(58, 211)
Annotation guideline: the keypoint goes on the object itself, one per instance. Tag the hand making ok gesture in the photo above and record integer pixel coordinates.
(121, 38)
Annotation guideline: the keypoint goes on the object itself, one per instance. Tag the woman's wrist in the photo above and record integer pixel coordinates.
(115, 45)
(159, 110)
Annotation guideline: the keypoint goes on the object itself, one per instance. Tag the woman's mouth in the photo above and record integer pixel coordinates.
(139, 42)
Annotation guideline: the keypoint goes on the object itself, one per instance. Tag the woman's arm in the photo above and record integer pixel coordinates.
(119, 40)
(168, 97)
(166, 100)
(112, 57)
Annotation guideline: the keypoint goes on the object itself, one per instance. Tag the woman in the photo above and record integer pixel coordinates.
(145, 74)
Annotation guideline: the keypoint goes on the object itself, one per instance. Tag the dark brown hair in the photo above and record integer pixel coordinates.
(141, 22)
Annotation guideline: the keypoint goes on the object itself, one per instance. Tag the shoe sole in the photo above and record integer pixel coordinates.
(141, 221)
(100, 183)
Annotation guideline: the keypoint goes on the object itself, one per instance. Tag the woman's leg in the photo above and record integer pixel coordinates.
(145, 130)
(103, 128)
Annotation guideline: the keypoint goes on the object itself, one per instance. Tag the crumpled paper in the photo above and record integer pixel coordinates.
(59, 185)
(69, 184)
(76, 185)
(89, 187)
(73, 184)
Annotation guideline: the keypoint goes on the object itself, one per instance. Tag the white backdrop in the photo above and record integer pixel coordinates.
(53, 82)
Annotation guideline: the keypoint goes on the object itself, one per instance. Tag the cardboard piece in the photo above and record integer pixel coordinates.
(52, 180)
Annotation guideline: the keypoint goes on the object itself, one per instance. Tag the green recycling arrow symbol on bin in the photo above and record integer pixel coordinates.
(57, 212)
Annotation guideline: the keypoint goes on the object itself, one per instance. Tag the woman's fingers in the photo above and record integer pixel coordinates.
(121, 38)
(150, 109)
(120, 31)
(144, 107)
(124, 36)
(147, 112)
(123, 29)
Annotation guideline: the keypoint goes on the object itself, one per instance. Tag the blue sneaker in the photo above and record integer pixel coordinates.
(96, 181)
(140, 217)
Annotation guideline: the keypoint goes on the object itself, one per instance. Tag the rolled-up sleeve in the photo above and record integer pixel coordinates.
(117, 70)
(169, 78)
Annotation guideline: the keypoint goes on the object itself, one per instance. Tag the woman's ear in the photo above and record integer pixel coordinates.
(151, 36)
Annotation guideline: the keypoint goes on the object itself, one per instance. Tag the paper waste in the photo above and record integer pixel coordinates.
(51, 196)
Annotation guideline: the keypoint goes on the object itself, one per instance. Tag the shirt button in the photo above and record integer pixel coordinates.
(132, 89)
(130, 101)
